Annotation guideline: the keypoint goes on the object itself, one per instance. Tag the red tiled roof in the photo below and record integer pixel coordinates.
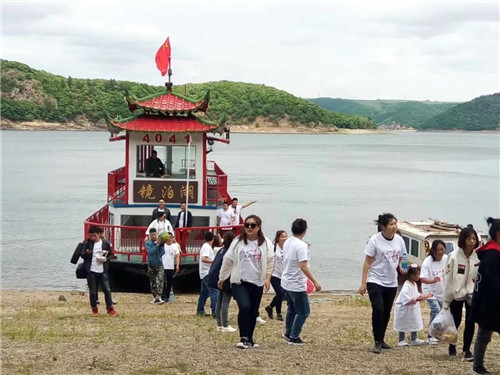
(170, 103)
(169, 124)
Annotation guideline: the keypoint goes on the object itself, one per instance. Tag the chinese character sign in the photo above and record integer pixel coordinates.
(150, 191)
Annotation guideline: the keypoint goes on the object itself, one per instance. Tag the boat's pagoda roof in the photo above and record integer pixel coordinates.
(168, 103)
(165, 124)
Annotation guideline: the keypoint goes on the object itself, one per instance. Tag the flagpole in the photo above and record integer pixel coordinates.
(187, 175)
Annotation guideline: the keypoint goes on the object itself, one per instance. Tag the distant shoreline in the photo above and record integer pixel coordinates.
(243, 129)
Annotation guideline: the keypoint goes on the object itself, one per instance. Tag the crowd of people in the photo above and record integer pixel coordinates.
(244, 267)
(468, 278)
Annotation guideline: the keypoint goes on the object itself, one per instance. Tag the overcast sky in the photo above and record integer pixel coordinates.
(415, 50)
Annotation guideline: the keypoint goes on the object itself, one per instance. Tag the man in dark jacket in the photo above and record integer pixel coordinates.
(161, 208)
(96, 254)
(183, 219)
(486, 301)
(154, 166)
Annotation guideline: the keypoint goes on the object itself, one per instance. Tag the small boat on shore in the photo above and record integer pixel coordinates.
(177, 128)
(418, 237)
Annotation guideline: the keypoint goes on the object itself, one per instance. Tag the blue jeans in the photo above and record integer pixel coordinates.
(435, 306)
(297, 313)
(94, 279)
(205, 292)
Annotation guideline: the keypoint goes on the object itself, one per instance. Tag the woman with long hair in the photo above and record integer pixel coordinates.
(461, 273)
(383, 255)
(279, 240)
(249, 264)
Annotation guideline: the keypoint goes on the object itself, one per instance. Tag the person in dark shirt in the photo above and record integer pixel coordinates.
(154, 166)
(161, 208)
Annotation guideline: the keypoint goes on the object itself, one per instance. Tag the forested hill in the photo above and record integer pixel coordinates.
(28, 94)
(387, 112)
(482, 113)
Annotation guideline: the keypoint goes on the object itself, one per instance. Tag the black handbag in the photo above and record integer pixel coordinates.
(81, 271)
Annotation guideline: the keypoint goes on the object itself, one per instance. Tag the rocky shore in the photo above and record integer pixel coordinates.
(43, 333)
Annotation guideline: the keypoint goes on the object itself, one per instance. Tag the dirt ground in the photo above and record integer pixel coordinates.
(41, 335)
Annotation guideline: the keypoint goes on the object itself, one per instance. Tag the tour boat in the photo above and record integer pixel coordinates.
(418, 237)
(178, 129)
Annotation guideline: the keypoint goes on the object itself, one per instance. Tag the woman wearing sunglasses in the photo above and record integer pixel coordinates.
(249, 264)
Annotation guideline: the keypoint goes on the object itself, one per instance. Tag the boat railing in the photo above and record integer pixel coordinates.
(116, 185)
(216, 184)
(191, 239)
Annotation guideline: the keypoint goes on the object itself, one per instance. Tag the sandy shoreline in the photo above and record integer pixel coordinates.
(42, 335)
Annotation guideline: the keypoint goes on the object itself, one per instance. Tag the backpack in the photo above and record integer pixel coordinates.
(213, 273)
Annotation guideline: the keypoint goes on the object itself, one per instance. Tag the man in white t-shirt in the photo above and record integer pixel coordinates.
(206, 258)
(225, 216)
(294, 281)
(171, 264)
(237, 209)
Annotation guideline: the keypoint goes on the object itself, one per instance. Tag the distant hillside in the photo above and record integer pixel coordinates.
(28, 94)
(482, 113)
(384, 112)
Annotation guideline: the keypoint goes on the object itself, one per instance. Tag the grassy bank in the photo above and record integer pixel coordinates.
(41, 335)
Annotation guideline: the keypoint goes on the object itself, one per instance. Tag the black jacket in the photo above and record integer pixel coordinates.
(189, 220)
(155, 214)
(87, 258)
(486, 300)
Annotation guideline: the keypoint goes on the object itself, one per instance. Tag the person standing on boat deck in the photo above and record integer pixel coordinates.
(184, 219)
(225, 216)
(279, 241)
(96, 254)
(155, 251)
(461, 273)
(237, 209)
(171, 264)
(161, 208)
(486, 300)
(206, 258)
(161, 224)
(154, 166)
(383, 255)
(249, 264)
(296, 271)
(432, 277)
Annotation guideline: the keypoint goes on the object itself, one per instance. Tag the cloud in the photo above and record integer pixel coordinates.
(338, 49)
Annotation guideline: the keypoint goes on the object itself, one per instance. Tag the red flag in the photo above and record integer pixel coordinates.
(163, 57)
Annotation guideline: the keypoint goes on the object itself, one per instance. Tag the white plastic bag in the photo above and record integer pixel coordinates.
(443, 327)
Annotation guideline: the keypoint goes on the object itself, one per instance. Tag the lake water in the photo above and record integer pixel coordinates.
(51, 181)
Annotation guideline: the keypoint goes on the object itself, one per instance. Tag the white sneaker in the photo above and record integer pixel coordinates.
(432, 341)
(153, 301)
(417, 342)
(219, 328)
(260, 320)
(226, 329)
(159, 301)
(403, 343)
(241, 345)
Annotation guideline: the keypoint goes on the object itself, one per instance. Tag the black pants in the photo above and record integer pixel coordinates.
(278, 298)
(248, 297)
(381, 298)
(169, 277)
(94, 279)
(456, 310)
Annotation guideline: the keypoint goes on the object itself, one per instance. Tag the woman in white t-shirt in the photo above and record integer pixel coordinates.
(279, 240)
(432, 277)
(249, 264)
(383, 255)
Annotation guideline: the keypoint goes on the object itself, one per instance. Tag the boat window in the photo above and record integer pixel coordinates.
(414, 248)
(449, 247)
(173, 158)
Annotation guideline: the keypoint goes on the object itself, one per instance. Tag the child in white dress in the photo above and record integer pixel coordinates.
(407, 316)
